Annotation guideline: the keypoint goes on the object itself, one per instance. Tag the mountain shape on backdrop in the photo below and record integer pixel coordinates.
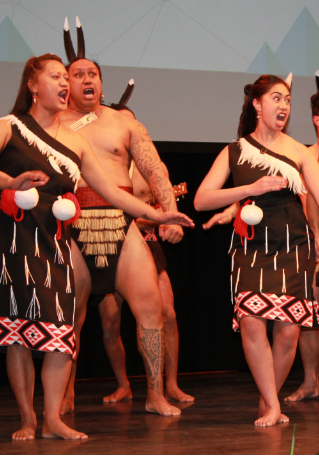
(266, 62)
(299, 50)
(13, 47)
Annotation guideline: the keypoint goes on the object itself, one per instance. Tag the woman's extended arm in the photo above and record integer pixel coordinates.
(99, 181)
(211, 195)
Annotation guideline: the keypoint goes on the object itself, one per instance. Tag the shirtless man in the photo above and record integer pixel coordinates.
(110, 309)
(116, 140)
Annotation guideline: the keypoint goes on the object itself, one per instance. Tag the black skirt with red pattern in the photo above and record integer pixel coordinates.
(272, 274)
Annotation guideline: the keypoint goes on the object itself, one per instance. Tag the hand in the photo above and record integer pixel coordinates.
(221, 219)
(29, 180)
(171, 233)
(174, 218)
(267, 184)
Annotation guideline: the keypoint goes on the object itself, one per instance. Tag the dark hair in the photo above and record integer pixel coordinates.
(315, 108)
(248, 118)
(120, 107)
(33, 66)
(92, 61)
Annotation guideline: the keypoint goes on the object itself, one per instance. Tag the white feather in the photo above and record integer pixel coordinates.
(253, 156)
(66, 25)
(45, 149)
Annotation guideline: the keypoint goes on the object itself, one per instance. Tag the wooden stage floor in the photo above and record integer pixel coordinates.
(219, 422)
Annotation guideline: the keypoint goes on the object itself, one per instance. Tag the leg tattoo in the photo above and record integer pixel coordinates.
(151, 347)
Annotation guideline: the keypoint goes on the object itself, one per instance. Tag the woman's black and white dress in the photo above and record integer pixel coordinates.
(272, 274)
(37, 300)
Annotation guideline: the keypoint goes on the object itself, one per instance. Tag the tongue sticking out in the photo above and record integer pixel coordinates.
(63, 95)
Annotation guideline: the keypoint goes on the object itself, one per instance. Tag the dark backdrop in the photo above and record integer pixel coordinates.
(199, 269)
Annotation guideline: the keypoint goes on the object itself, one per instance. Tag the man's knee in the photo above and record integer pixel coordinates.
(169, 315)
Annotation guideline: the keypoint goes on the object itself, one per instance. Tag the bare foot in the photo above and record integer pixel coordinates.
(121, 394)
(56, 429)
(27, 430)
(158, 404)
(262, 410)
(304, 392)
(175, 394)
(271, 417)
(67, 406)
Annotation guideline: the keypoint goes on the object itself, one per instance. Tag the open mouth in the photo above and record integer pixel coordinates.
(89, 93)
(281, 117)
(63, 95)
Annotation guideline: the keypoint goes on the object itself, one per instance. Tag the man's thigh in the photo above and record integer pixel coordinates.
(136, 278)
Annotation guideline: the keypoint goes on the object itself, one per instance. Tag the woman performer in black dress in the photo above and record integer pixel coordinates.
(37, 289)
(272, 271)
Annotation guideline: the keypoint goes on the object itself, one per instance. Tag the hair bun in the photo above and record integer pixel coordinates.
(314, 99)
(248, 89)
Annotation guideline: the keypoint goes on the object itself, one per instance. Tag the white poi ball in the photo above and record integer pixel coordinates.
(27, 199)
(251, 214)
(63, 209)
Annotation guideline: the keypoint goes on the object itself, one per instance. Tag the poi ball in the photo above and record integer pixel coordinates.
(63, 209)
(251, 214)
(27, 199)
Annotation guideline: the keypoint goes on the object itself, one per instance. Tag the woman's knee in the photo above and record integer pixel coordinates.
(253, 330)
(287, 337)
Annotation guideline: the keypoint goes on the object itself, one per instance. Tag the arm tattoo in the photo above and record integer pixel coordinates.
(150, 166)
(151, 346)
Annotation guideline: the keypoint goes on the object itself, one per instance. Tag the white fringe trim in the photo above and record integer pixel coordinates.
(58, 253)
(245, 246)
(45, 149)
(71, 263)
(306, 287)
(4, 273)
(47, 282)
(37, 250)
(297, 259)
(308, 241)
(266, 240)
(275, 261)
(27, 271)
(237, 281)
(232, 261)
(261, 280)
(14, 245)
(74, 305)
(254, 259)
(231, 242)
(288, 249)
(68, 284)
(283, 282)
(231, 289)
(58, 308)
(252, 155)
(13, 303)
(34, 307)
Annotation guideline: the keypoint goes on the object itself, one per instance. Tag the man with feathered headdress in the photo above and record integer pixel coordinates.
(130, 270)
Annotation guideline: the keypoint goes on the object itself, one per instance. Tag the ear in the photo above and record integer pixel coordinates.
(257, 105)
(288, 80)
(316, 120)
(32, 85)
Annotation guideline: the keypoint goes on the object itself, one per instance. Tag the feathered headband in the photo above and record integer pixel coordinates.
(317, 79)
(127, 94)
(69, 49)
